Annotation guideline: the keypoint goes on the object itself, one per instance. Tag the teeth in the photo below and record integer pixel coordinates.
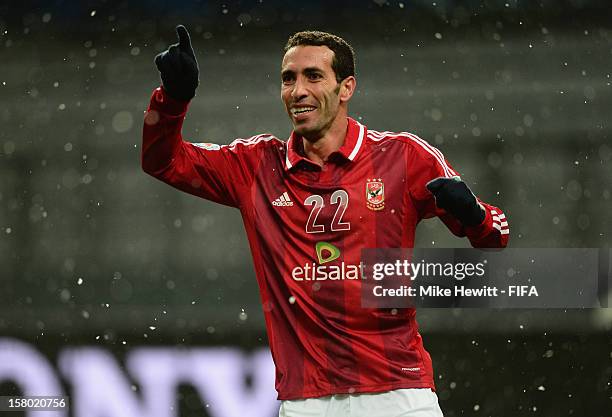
(300, 110)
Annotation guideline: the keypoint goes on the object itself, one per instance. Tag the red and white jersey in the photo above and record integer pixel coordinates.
(370, 194)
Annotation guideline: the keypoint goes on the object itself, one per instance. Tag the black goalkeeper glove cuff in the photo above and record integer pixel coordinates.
(454, 196)
(178, 67)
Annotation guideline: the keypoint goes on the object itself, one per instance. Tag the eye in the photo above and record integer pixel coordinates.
(314, 76)
(287, 78)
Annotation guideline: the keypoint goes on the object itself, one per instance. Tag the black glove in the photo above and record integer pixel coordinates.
(179, 68)
(454, 196)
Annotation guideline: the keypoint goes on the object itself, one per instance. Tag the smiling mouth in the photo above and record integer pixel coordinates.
(296, 111)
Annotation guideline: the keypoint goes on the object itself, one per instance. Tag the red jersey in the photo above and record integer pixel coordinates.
(370, 194)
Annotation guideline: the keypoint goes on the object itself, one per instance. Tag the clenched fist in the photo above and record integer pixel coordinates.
(454, 196)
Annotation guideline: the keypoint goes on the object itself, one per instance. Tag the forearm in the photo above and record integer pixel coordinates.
(210, 174)
(493, 232)
(161, 136)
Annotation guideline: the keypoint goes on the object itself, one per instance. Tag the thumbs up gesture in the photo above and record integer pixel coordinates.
(178, 67)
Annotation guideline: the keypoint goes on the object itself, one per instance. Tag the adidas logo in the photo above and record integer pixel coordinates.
(283, 201)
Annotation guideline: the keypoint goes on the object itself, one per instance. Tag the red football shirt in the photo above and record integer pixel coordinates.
(370, 194)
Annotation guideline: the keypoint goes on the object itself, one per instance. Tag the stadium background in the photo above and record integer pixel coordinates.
(95, 254)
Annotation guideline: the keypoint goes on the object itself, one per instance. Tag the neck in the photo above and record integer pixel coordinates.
(318, 150)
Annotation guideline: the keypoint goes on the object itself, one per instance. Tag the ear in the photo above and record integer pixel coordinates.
(347, 88)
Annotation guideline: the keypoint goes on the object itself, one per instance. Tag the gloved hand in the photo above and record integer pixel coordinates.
(454, 196)
(179, 68)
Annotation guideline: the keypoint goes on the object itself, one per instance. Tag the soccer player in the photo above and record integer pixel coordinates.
(309, 206)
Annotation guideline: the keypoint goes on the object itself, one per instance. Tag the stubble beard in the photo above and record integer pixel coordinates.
(321, 127)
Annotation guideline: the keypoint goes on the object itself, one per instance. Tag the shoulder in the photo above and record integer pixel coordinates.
(411, 142)
(242, 145)
(263, 140)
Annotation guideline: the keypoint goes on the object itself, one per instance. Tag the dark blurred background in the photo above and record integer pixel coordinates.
(93, 252)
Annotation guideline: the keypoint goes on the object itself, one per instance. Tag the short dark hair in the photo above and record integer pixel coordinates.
(343, 63)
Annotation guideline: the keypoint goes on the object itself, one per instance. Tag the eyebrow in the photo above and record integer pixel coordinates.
(307, 70)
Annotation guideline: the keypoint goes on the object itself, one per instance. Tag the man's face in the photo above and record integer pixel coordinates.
(310, 90)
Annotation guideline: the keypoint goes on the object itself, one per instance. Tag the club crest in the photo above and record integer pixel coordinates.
(375, 194)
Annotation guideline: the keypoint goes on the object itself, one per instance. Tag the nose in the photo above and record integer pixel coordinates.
(299, 90)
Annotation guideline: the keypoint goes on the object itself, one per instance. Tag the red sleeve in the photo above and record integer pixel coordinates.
(426, 163)
(221, 173)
